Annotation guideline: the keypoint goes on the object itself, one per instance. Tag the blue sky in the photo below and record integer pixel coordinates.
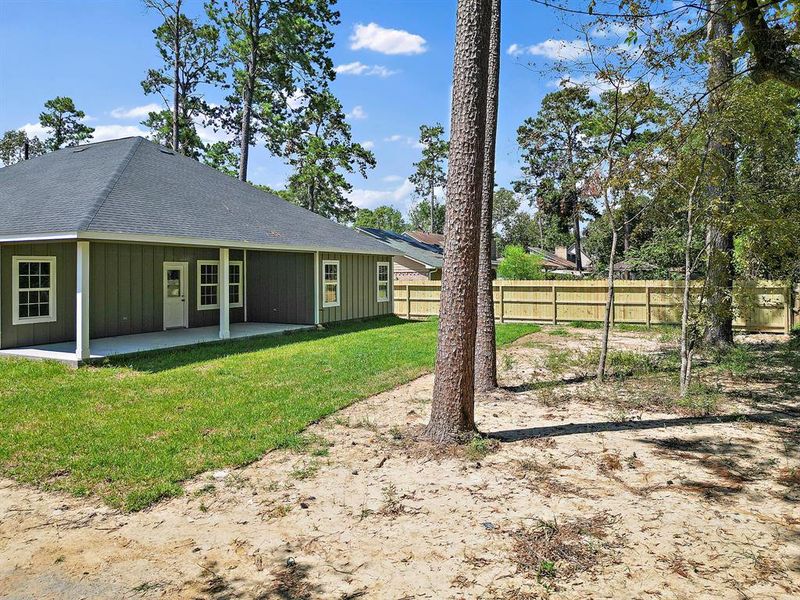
(395, 58)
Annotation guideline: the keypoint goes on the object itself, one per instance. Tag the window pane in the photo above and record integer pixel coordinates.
(34, 268)
(331, 272)
(233, 296)
(330, 293)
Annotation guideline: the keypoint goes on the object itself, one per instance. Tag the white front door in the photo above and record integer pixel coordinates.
(176, 308)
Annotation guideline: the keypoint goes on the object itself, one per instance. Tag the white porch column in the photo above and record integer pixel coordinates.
(316, 288)
(224, 294)
(82, 303)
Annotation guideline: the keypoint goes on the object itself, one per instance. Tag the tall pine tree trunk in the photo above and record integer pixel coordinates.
(176, 96)
(452, 409)
(576, 220)
(485, 346)
(719, 238)
(244, 141)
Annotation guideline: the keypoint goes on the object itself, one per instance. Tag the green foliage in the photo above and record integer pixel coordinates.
(430, 177)
(278, 54)
(505, 204)
(557, 156)
(321, 152)
(198, 64)
(383, 217)
(518, 264)
(221, 156)
(65, 123)
(420, 216)
(12, 147)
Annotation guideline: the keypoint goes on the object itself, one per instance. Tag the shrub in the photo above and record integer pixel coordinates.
(518, 264)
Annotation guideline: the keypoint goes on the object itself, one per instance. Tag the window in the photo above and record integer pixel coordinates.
(330, 283)
(33, 289)
(208, 284)
(235, 294)
(383, 282)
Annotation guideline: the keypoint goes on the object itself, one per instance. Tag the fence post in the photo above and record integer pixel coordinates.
(647, 303)
(408, 300)
(789, 304)
(502, 305)
(555, 306)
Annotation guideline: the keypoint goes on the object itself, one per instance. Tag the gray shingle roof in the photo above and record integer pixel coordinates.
(133, 186)
(427, 254)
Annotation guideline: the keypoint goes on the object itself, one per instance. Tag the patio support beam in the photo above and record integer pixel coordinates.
(224, 294)
(82, 351)
(316, 288)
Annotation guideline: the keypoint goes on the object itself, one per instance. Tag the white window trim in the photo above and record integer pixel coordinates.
(15, 318)
(240, 264)
(240, 304)
(379, 282)
(338, 284)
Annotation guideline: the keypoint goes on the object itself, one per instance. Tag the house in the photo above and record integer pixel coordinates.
(124, 245)
(553, 263)
(568, 253)
(432, 239)
(414, 259)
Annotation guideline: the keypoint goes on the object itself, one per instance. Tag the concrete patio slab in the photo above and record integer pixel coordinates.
(142, 342)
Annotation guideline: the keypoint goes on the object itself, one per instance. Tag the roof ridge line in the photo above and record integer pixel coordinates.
(110, 187)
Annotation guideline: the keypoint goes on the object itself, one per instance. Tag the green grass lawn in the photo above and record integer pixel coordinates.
(132, 430)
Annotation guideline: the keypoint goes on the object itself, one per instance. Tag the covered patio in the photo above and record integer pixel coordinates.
(142, 342)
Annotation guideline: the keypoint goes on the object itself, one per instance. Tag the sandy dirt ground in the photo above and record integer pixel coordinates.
(581, 499)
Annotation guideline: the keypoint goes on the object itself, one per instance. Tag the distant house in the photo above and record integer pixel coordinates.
(414, 259)
(432, 239)
(568, 253)
(125, 245)
(553, 263)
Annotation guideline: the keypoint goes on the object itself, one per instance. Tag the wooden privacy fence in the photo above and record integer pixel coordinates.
(762, 306)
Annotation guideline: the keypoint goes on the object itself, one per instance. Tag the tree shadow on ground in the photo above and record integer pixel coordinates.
(164, 360)
(291, 582)
(528, 433)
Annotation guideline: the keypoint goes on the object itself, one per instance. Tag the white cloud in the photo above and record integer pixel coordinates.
(101, 132)
(392, 178)
(368, 144)
(357, 113)
(409, 141)
(137, 112)
(113, 132)
(553, 49)
(386, 41)
(399, 197)
(35, 130)
(359, 68)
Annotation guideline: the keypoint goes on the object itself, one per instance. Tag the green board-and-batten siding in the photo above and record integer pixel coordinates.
(280, 287)
(358, 288)
(60, 330)
(126, 287)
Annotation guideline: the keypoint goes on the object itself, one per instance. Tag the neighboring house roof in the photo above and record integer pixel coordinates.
(551, 260)
(435, 239)
(426, 254)
(135, 189)
(641, 266)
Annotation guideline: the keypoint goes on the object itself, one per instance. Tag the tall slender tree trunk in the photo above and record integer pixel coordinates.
(485, 345)
(719, 238)
(244, 141)
(576, 224)
(452, 409)
(176, 96)
(601, 364)
(433, 207)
